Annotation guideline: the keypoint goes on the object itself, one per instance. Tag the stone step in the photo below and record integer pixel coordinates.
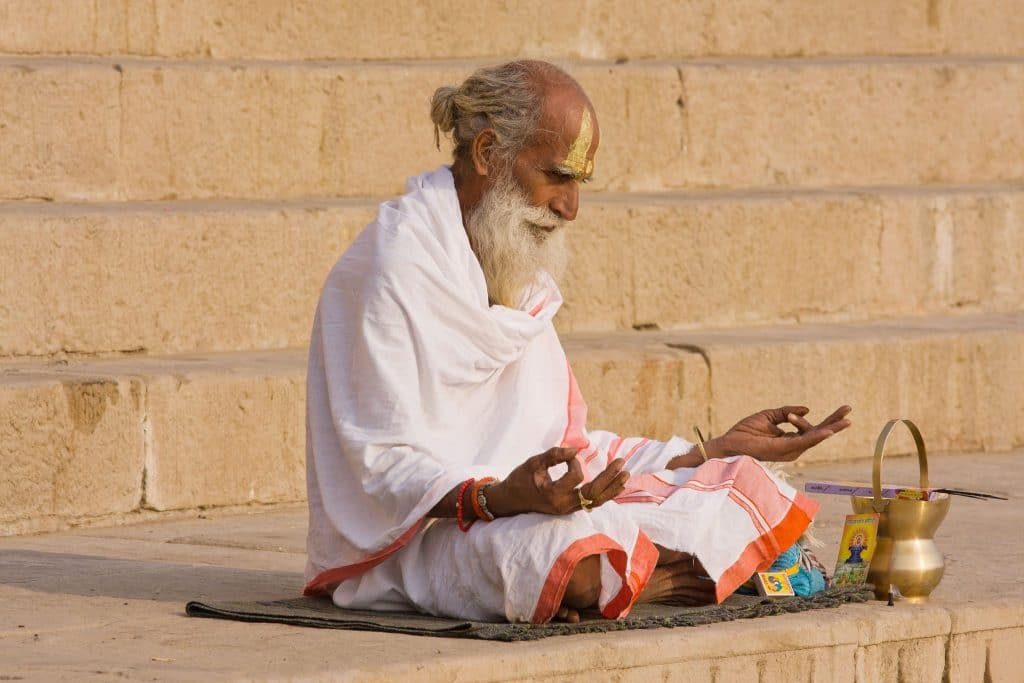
(181, 277)
(120, 616)
(106, 129)
(409, 29)
(94, 440)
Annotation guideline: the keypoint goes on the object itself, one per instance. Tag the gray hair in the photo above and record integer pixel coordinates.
(506, 98)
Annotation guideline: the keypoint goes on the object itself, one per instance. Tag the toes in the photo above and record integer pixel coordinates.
(568, 615)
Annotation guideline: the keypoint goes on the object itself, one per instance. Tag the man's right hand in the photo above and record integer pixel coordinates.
(760, 437)
(529, 487)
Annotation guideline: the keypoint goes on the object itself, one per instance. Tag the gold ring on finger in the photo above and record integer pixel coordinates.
(585, 502)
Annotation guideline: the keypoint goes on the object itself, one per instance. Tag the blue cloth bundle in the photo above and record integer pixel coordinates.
(807, 580)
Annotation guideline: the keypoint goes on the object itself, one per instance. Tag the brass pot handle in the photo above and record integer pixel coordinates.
(876, 472)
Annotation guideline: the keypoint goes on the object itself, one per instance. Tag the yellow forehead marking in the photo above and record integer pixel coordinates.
(577, 160)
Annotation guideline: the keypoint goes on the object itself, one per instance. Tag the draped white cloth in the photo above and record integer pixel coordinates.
(416, 384)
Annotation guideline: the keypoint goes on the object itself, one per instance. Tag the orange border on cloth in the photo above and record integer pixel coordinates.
(754, 559)
(613, 448)
(326, 581)
(645, 558)
(778, 520)
(576, 416)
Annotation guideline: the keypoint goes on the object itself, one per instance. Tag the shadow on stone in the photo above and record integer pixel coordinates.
(90, 575)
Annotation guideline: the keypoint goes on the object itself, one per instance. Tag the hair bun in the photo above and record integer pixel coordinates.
(443, 111)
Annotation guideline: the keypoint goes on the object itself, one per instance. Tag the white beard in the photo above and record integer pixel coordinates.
(509, 239)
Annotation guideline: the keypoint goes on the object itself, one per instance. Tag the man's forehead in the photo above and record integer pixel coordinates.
(578, 160)
(568, 132)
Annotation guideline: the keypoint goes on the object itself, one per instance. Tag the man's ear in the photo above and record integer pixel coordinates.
(482, 150)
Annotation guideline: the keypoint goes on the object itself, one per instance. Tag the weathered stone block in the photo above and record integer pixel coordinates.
(831, 664)
(635, 390)
(832, 125)
(226, 436)
(987, 641)
(220, 131)
(407, 29)
(71, 447)
(726, 262)
(936, 379)
(1005, 655)
(685, 260)
(166, 279)
(61, 127)
(288, 130)
(908, 661)
(222, 276)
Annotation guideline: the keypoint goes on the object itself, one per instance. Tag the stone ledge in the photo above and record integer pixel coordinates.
(151, 131)
(931, 369)
(224, 430)
(180, 432)
(182, 277)
(408, 29)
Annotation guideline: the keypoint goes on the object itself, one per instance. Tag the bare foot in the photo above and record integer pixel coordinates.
(681, 580)
(567, 614)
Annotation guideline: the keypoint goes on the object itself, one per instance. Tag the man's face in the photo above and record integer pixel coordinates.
(517, 228)
(551, 170)
(514, 241)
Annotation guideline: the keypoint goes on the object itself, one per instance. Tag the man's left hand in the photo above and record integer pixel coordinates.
(760, 436)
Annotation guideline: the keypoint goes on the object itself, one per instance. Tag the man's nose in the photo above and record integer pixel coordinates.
(567, 203)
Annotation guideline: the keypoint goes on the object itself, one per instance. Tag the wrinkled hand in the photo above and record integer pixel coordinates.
(529, 487)
(760, 437)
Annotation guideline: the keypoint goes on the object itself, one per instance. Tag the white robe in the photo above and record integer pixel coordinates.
(415, 384)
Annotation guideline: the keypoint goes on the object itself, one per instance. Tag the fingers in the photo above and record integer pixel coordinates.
(573, 477)
(554, 456)
(810, 439)
(834, 422)
(837, 427)
(766, 441)
(800, 423)
(608, 484)
(837, 418)
(780, 415)
(693, 584)
(539, 464)
(679, 583)
(795, 417)
(793, 446)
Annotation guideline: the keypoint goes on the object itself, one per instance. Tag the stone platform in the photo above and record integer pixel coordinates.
(100, 604)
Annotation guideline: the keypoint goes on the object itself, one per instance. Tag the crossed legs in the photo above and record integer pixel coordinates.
(678, 579)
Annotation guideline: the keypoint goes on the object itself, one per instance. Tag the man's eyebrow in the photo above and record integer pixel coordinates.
(565, 169)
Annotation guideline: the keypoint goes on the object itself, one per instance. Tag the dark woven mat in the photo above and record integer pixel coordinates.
(322, 613)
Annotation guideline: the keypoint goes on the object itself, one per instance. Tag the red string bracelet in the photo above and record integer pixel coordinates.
(463, 527)
(474, 497)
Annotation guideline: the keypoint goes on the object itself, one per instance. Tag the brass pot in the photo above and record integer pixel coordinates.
(905, 555)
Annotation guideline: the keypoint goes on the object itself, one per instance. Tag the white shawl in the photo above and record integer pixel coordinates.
(415, 383)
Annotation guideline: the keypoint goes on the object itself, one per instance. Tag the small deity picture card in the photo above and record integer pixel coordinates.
(773, 584)
(856, 548)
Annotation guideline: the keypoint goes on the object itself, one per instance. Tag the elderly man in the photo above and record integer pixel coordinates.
(450, 469)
